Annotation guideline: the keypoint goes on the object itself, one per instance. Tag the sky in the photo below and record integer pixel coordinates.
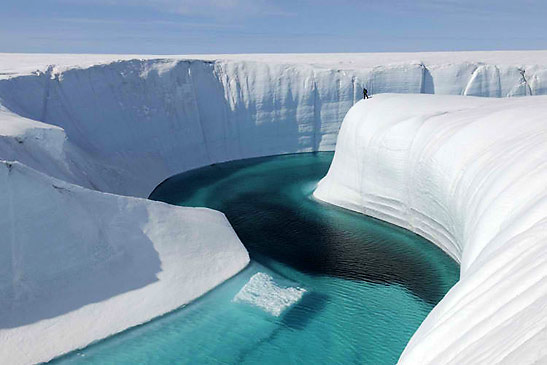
(270, 26)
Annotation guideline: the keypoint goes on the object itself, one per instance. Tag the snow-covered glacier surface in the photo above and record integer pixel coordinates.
(469, 174)
(132, 123)
(77, 129)
(77, 265)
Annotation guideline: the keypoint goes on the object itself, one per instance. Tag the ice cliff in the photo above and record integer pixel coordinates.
(469, 174)
(80, 128)
(134, 123)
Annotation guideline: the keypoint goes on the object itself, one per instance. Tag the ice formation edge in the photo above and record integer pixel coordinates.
(468, 174)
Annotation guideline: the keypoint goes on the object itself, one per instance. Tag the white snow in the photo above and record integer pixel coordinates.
(263, 292)
(162, 116)
(78, 265)
(469, 174)
(122, 124)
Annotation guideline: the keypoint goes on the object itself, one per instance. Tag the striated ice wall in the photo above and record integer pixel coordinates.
(469, 174)
(140, 121)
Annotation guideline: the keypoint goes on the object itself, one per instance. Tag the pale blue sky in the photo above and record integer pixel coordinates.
(264, 26)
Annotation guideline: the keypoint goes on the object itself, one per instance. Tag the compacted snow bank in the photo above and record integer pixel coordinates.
(469, 174)
(79, 265)
(78, 126)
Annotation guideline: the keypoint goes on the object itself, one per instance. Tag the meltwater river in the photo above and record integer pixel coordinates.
(325, 285)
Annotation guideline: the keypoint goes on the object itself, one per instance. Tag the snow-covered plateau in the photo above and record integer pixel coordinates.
(470, 175)
(80, 263)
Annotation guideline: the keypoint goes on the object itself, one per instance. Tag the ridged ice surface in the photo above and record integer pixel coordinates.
(469, 174)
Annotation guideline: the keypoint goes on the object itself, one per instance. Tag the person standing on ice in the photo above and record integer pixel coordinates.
(365, 93)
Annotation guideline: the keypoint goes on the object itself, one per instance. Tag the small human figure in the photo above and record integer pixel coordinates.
(365, 93)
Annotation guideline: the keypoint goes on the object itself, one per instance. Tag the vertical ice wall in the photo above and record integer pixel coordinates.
(144, 120)
(469, 174)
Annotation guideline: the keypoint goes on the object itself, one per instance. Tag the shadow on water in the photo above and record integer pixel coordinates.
(309, 246)
(264, 200)
(368, 284)
(297, 317)
(302, 313)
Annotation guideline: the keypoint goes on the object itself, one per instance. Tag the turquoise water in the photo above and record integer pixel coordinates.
(368, 284)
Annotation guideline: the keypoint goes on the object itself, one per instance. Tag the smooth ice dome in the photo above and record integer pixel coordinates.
(468, 174)
(77, 129)
(263, 292)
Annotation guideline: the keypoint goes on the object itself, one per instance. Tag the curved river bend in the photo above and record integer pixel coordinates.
(324, 286)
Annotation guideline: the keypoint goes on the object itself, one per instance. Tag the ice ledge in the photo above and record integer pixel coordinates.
(78, 265)
(469, 174)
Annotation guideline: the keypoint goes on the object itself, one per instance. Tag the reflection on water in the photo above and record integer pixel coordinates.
(368, 284)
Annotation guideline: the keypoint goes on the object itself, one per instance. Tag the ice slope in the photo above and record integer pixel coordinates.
(78, 265)
(469, 174)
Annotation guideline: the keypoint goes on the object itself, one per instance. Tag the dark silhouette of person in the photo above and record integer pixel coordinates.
(365, 93)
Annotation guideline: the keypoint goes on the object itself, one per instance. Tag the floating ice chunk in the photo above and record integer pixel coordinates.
(261, 291)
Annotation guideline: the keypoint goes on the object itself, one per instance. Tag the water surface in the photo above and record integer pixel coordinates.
(368, 284)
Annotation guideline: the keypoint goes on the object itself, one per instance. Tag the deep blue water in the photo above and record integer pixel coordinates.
(368, 284)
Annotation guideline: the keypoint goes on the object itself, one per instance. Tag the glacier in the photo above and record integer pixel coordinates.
(85, 134)
(79, 265)
(468, 174)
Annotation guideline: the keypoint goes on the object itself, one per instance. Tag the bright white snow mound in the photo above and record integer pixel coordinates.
(470, 175)
(78, 265)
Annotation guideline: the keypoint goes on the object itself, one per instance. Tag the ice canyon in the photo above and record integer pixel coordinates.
(84, 138)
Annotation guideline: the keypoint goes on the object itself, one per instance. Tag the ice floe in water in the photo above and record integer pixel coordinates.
(263, 292)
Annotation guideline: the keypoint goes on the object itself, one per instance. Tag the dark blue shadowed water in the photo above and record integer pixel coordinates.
(368, 284)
